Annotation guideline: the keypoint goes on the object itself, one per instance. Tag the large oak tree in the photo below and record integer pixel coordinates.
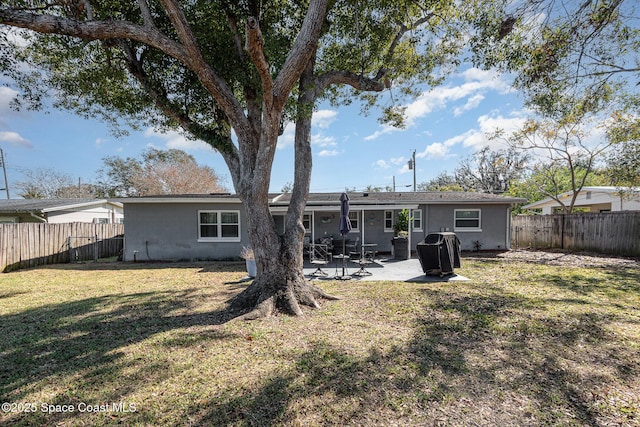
(233, 74)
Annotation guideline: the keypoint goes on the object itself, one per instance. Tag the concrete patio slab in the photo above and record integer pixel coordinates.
(385, 270)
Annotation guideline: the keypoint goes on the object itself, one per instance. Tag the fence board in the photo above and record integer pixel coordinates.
(32, 244)
(616, 233)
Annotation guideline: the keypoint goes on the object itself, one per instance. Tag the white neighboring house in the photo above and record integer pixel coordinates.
(595, 199)
(55, 211)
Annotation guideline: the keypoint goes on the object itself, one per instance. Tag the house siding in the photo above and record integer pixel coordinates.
(494, 226)
(169, 231)
(166, 229)
(105, 212)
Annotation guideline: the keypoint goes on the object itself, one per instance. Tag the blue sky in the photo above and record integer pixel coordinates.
(445, 125)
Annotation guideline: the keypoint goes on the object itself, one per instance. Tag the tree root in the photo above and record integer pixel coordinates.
(263, 298)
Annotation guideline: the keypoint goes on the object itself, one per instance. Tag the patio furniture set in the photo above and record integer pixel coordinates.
(343, 252)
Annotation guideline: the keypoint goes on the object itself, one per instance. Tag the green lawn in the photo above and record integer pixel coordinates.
(520, 344)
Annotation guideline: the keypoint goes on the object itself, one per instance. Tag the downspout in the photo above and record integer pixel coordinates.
(39, 218)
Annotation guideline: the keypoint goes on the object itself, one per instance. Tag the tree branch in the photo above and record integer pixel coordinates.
(146, 13)
(93, 30)
(305, 44)
(354, 80)
(160, 99)
(255, 45)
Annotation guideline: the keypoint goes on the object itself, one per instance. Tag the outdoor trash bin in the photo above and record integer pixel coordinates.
(439, 253)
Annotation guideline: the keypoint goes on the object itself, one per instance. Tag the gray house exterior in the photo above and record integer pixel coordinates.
(211, 227)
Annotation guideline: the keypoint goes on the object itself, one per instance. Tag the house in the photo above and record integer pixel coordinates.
(61, 211)
(593, 199)
(214, 226)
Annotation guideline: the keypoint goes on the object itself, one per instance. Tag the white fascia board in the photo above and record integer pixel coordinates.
(74, 206)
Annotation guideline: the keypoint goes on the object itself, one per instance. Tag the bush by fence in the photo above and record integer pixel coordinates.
(616, 233)
(31, 244)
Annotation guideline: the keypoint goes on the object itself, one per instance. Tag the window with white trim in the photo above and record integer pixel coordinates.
(354, 218)
(306, 222)
(467, 220)
(219, 226)
(388, 221)
(417, 220)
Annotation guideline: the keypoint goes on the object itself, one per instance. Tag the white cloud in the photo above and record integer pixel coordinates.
(382, 164)
(15, 139)
(476, 83)
(323, 118)
(398, 160)
(173, 139)
(437, 150)
(328, 153)
(323, 140)
(472, 103)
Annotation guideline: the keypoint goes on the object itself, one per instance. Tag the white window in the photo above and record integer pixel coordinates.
(388, 221)
(467, 220)
(417, 220)
(354, 218)
(218, 226)
(306, 222)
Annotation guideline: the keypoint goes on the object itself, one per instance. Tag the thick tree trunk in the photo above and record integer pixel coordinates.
(280, 285)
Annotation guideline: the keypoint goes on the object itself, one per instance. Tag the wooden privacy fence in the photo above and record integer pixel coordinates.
(616, 233)
(30, 244)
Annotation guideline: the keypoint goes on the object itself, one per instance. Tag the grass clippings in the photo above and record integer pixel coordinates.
(523, 343)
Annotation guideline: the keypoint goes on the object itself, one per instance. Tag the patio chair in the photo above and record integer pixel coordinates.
(360, 259)
(319, 256)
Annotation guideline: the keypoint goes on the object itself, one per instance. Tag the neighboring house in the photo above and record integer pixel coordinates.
(214, 226)
(593, 199)
(61, 211)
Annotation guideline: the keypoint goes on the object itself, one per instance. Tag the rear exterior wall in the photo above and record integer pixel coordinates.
(170, 231)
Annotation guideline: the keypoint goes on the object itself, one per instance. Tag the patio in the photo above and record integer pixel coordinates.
(383, 269)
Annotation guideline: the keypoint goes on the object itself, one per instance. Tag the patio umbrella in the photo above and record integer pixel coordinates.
(345, 225)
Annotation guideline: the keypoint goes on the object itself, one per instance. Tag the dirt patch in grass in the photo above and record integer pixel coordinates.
(526, 342)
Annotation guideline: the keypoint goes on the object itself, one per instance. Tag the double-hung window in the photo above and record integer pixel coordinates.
(354, 218)
(417, 220)
(219, 226)
(388, 221)
(467, 220)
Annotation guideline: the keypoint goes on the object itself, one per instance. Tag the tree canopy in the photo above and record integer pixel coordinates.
(250, 66)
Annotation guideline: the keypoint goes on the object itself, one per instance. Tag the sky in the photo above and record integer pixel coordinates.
(444, 125)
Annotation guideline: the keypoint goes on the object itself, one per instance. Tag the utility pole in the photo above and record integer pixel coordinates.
(4, 170)
(412, 166)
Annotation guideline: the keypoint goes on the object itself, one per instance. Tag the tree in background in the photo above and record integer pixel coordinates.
(559, 147)
(116, 177)
(544, 181)
(623, 163)
(491, 171)
(47, 183)
(576, 62)
(442, 182)
(159, 172)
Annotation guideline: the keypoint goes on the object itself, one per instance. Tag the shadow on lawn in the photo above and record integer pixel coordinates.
(474, 359)
(82, 339)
